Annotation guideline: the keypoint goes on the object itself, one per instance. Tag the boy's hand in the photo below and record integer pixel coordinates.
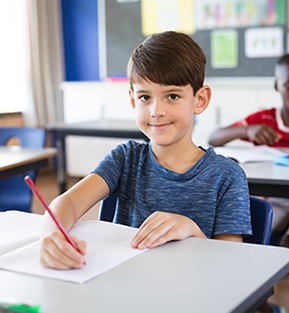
(161, 227)
(262, 134)
(56, 252)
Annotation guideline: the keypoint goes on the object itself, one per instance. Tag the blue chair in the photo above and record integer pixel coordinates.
(14, 194)
(261, 217)
(107, 208)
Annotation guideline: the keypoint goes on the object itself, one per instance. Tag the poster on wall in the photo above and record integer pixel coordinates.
(162, 15)
(263, 42)
(211, 14)
(224, 49)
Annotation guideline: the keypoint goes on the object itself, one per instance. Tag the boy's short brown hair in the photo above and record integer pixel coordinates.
(168, 58)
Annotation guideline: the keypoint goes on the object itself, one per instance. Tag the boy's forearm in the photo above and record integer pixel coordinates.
(63, 207)
(224, 135)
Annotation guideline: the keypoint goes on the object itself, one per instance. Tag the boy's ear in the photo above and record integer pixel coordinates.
(203, 96)
(131, 98)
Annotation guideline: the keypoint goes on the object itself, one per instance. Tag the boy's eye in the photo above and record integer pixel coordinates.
(144, 98)
(173, 97)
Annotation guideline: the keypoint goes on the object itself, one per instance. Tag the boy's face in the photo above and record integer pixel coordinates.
(164, 113)
(282, 83)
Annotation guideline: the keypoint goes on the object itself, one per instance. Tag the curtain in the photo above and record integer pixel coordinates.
(47, 59)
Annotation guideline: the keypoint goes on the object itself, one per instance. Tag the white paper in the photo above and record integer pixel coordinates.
(253, 154)
(108, 245)
(18, 229)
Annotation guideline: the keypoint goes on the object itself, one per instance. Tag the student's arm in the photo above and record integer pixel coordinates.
(259, 134)
(55, 251)
(224, 135)
(161, 227)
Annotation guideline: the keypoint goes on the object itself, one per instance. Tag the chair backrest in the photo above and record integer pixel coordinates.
(14, 194)
(29, 137)
(261, 217)
(107, 208)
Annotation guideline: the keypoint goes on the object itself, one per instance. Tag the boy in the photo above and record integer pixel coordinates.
(169, 188)
(270, 127)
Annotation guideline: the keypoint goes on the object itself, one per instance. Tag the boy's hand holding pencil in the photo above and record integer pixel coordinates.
(62, 251)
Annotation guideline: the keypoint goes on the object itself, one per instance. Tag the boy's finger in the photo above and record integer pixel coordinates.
(54, 257)
(152, 222)
(153, 234)
(59, 248)
(81, 245)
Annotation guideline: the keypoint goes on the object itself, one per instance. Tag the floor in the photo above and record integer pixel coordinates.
(47, 184)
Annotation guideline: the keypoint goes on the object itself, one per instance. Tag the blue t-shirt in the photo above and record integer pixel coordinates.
(213, 192)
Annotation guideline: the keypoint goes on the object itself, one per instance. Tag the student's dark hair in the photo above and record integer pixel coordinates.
(284, 60)
(168, 58)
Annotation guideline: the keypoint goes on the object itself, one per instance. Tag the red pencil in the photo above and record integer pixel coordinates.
(56, 220)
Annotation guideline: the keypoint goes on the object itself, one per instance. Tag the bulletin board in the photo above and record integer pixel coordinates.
(125, 29)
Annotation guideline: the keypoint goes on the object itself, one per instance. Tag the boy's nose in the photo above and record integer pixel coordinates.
(158, 109)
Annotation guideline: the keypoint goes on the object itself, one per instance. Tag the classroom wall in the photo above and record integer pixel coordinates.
(232, 99)
(87, 50)
(80, 34)
(88, 98)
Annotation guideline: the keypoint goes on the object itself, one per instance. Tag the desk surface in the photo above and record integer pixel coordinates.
(102, 128)
(193, 275)
(15, 160)
(96, 124)
(13, 156)
(267, 179)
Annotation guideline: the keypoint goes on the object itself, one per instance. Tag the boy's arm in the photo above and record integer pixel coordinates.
(162, 227)
(258, 133)
(55, 251)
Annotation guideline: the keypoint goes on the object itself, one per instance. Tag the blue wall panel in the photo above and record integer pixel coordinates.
(80, 33)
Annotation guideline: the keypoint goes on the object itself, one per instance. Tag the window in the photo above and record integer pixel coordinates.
(14, 57)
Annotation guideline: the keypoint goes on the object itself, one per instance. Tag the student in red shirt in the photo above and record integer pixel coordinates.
(269, 127)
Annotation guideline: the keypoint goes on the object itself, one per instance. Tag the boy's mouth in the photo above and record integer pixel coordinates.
(160, 127)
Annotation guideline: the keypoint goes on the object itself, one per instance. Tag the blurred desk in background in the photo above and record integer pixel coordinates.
(267, 179)
(101, 128)
(16, 160)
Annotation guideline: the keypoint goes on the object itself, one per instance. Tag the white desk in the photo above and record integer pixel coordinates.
(267, 179)
(194, 275)
(16, 160)
(264, 177)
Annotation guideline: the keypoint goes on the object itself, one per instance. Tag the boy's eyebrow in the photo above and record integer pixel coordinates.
(175, 90)
(140, 91)
(165, 91)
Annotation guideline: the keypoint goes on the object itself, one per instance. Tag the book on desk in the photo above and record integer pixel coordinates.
(262, 153)
(108, 245)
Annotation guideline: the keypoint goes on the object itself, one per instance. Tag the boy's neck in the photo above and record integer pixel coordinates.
(177, 159)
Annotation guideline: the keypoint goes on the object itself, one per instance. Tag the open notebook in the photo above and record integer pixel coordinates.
(108, 245)
(261, 153)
